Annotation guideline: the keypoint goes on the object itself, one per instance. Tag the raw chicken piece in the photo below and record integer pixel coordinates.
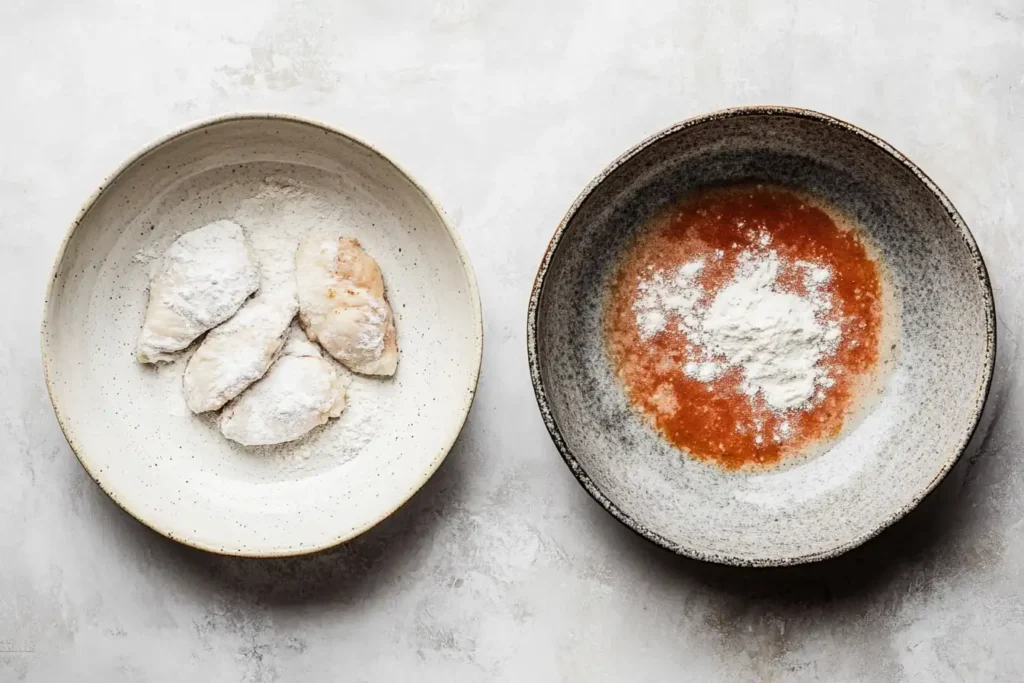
(238, 353)
(204, 277)
(342, 304)
(302, 390)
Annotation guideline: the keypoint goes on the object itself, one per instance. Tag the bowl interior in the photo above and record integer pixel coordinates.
(128, 423)
(876, 471)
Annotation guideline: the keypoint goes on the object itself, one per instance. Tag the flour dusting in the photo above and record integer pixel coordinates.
(278, 217)
(239, 352)
(778, 339)
(370, 338)
(301, 391)
(202, 279)
(274, 219)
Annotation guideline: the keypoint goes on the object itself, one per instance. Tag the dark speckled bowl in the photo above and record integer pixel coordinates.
(878, 470)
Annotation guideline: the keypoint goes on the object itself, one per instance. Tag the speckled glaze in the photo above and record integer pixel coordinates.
(174, 471)
(880, 469)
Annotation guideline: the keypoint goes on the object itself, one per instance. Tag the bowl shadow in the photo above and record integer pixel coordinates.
(347, 574)
(918, 538)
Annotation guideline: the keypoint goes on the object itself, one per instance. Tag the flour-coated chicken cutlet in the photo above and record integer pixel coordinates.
(342, 304)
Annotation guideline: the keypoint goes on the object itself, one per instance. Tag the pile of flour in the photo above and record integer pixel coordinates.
(778, 339)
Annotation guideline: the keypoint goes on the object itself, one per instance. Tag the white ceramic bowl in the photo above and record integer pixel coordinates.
(277, 176)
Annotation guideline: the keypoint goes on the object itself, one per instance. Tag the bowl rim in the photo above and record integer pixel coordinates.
(540, 393)
(179, 132)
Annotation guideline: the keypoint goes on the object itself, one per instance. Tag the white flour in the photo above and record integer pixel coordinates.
(776, 338)
(200, 282)
(660, 298)
(301, 391)
(237, 353)
(275, 218)
(370, 338)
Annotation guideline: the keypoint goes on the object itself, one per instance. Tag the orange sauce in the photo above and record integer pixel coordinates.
(716, 420)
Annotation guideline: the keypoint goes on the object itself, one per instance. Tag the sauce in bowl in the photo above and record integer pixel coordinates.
(745, 323)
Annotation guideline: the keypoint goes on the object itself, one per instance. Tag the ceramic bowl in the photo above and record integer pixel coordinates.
(927, 409)
(278, 177)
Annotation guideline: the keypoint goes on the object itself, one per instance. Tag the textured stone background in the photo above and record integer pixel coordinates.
(501, 568)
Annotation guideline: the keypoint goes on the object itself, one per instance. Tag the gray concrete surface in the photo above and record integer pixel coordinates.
(501, 568)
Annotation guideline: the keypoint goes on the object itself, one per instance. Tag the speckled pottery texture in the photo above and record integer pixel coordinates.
(879, 470)
(126, 422)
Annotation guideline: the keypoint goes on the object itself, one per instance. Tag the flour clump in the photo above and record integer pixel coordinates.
(776, 338)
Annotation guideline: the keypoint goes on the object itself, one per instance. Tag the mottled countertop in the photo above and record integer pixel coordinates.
(501, 568)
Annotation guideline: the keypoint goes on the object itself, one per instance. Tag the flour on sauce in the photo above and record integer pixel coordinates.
(742, 321)
(777, 338)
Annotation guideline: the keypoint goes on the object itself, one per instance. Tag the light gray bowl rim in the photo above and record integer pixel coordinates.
(236, 117)
(533, 353)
